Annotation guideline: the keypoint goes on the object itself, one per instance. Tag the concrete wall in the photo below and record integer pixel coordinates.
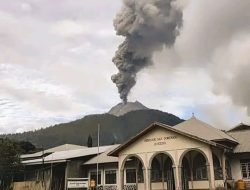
(158, 185)
(29, 185)
(198, 185)
(236, 170)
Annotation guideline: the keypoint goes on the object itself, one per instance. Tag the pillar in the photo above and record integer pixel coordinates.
(147, 179)
(210, 169)
(121, 179)
(66, 176)
(179, 169)
(224, 172)
(176, 177)
(210, 175)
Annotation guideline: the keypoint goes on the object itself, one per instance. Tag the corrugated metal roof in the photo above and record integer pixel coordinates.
(243, 138)
(68, 154)
(54, 149)
(203, 130)
(103, 158)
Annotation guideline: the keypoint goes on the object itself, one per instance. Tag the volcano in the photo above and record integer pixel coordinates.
(121, 108)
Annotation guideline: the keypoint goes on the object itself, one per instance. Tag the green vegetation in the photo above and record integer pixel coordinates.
(10, 152)
(113, 129)
(9, 161)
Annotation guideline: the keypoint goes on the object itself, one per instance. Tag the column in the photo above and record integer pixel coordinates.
(210, 175)
(224, 173)
(66, 176)
(121, 179)
(210, 169)
(180, 178)
(176, 177)
(147, 179)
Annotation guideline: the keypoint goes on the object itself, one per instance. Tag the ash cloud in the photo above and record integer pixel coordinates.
(147, 25)
(215, 38)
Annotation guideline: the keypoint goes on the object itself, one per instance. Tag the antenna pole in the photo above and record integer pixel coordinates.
(97, 163)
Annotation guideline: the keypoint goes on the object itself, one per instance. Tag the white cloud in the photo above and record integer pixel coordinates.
(69, 28)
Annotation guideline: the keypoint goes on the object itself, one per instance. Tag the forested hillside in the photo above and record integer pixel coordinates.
(113, 129)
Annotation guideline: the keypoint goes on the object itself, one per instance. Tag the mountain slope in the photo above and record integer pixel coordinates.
(114, 129)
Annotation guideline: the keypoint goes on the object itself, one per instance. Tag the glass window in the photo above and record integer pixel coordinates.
(140, 174)
(245, 168)
(94, 176)
(110, 177)
(201, 173)
(156, 172)
(199, 167)
(130, 175)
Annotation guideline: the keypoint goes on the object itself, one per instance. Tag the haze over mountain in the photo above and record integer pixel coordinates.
(121, 123)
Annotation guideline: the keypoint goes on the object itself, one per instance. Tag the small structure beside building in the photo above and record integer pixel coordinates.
(190, 155)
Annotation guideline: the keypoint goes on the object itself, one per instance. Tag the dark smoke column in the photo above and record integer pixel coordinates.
(147, 25)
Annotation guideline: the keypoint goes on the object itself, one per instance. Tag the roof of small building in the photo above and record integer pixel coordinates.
(103, 157)
(67, 155)
(203, 130)
(242, 137)
(54, 149)
(240, 127)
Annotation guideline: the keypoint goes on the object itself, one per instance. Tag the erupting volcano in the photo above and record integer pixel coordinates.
(147, 26)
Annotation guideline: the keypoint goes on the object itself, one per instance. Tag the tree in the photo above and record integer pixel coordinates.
(9, 161)
(90, 141)
(27, 147)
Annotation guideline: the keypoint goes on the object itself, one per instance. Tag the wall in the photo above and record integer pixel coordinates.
(28, 185)
(199, 185)
(235, 167)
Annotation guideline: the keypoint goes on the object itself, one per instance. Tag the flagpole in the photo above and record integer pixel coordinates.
(97, 162)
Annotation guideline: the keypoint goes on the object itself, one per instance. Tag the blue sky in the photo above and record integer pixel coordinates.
(56, 63)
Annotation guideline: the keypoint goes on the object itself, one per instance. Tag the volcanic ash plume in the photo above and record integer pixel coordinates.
(147, 25)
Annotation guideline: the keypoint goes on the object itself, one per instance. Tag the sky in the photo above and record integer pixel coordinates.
(56, 63)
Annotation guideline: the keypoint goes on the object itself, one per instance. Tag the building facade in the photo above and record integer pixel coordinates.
(190, 155)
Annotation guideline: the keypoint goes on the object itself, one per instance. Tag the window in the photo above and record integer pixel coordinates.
(130, 175)
(245, 168)
(110, 177)
(201, 173)
(140, 174)
(94, 176)
(156, 172)
(199, 167)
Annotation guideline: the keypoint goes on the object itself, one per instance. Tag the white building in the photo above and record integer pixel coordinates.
(190, 155)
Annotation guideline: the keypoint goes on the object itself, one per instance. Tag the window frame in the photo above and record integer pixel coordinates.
(125, 175)
(246, 164)
(116, 179)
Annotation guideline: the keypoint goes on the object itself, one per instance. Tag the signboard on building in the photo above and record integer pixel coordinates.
(77, 183)
(160, 140)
